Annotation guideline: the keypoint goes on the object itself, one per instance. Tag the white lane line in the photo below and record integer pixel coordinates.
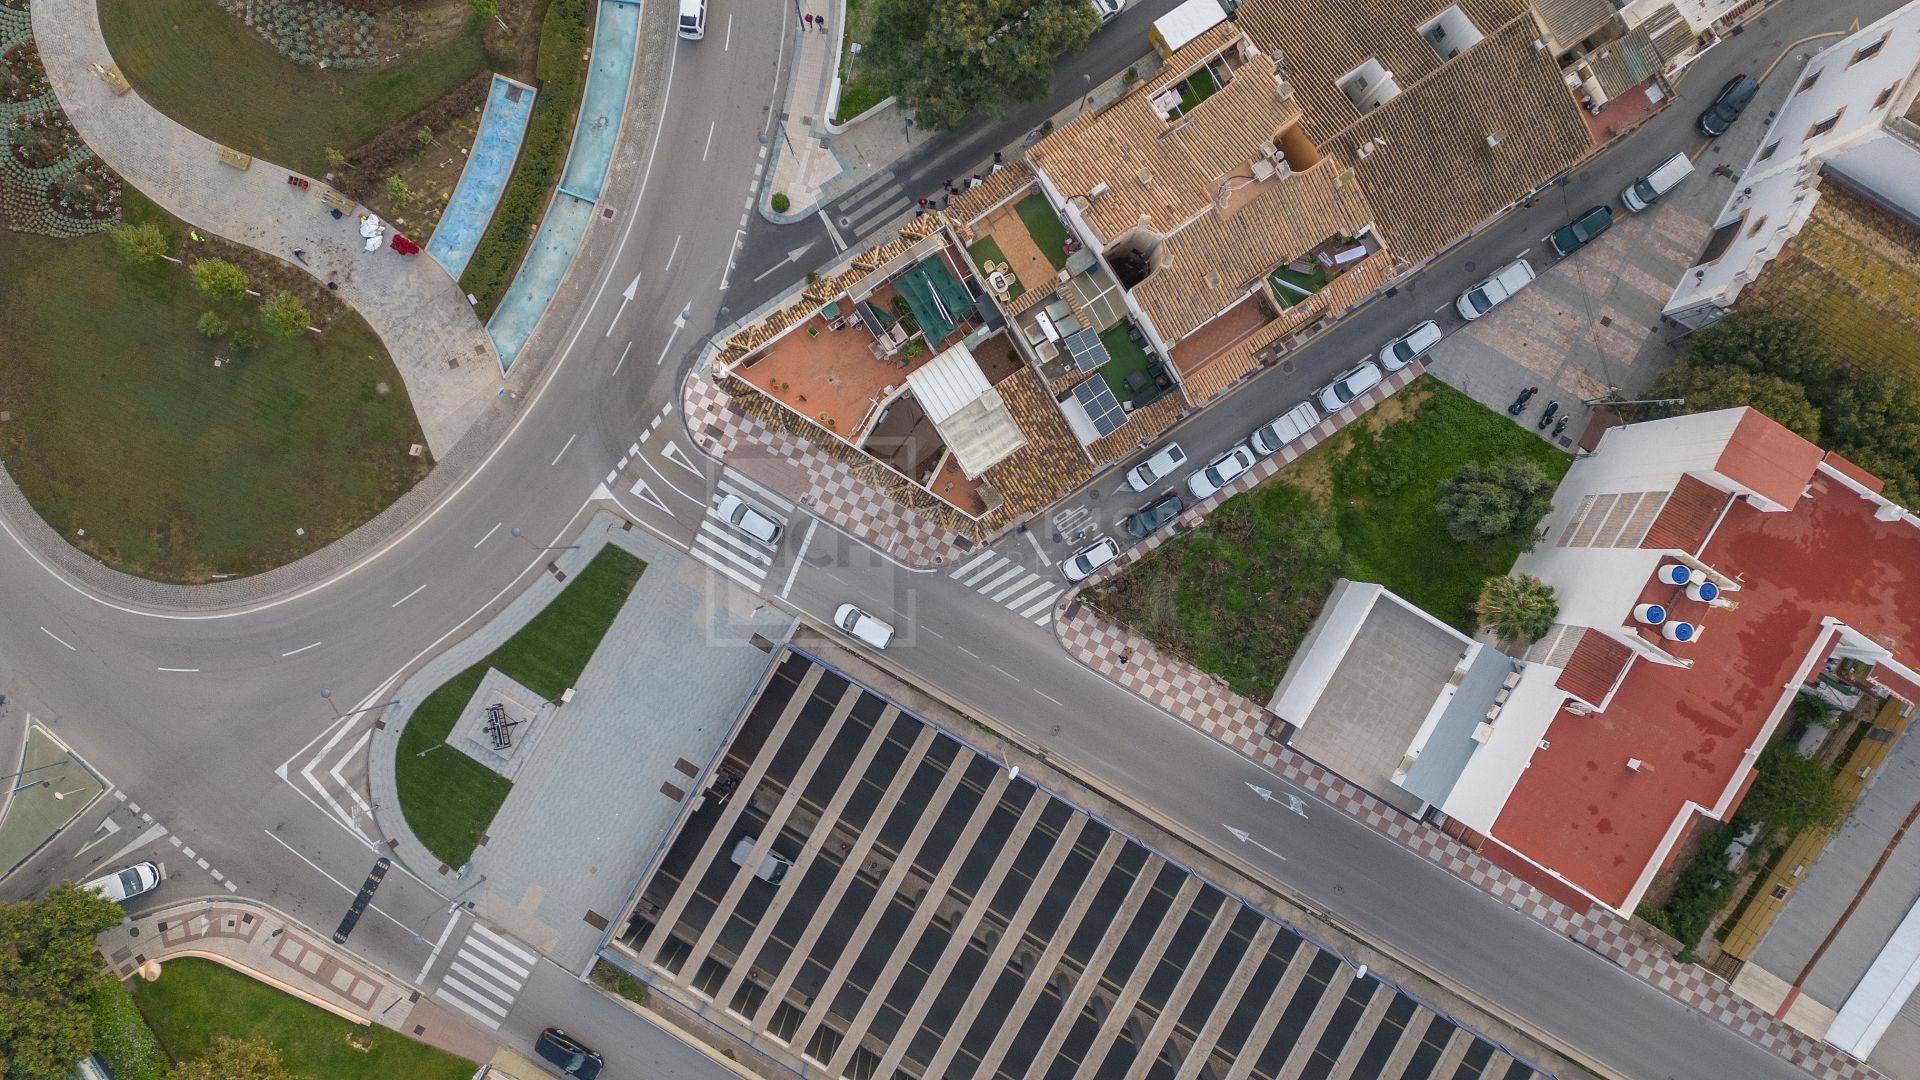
(490, 532)
(182, 670)
(968, 651)
(709, 149)
(971, 563)
(833, 234)
(1034, 539)
(1004, 671)
(523, 953)
(352, 751)
(671, 254)
(437, 946)
(727, 45)
(416, 591)
(299, 650)
(563, 450)
(669, 483)
(348, 889)
(623, 359)
(1049, 697)
(798, 556)
(56, 637)
(738, 235)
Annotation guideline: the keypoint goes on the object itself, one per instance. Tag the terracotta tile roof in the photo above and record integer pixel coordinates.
(1691, 509)
(1209, 265)
(1051, 464)
(1570, 20)
(968, 206)
(1143, 425)
(1766, 457)
(1594, 667)
(1855, 473)
(1224, 369)
(1182, 161)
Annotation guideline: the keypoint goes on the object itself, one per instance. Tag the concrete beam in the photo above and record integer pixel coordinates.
(1143, 969)
(1457, 1048)
(1149, 1049)
(1209, 1035)
(1409, 1043)
(1363, 1030)
(1309, 1039)
(1249, 1053)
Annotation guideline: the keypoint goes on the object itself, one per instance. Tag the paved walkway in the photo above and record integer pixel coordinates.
(442, 352)
(290, 956)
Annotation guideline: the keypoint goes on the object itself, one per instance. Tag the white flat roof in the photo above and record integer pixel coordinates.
(971, 417)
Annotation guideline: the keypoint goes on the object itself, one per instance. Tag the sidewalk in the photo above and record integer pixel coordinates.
(442, 352)
(259, 941)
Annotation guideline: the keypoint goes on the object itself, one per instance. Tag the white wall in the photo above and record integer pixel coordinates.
(1493, 770)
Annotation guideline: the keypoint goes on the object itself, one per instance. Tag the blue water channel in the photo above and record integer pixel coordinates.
(489, 164)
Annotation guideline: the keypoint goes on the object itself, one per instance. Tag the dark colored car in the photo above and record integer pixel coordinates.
(1727, 105)
(572, 1057)
(1577, 234)
(1154, 515)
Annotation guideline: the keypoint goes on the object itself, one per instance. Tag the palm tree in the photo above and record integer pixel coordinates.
(1516, 608)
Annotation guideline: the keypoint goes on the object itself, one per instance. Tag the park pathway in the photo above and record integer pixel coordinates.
(441, 349)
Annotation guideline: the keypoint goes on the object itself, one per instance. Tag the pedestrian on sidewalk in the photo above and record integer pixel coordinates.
(925, 202)
(806, 21)
(301, 254)
(820, 22)
(996, 157)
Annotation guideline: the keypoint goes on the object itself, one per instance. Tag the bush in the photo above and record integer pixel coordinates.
(211, 324)
(486, 9)
(219, 279)
(1655, 918)
(562, 71)
(424, 136)
(285, 314)
(616, 981)
(122, 1038)
(779, 202)
(143, 243)
(398, 189)
(1703, 888)
(246, 339)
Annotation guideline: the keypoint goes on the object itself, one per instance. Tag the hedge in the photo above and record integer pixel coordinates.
(562, 73)
(372, 161)
(122, 1038)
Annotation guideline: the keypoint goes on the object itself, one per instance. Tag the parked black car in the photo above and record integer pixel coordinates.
(572, 1056)
(1728, 104)
(1154, 515)
(1580, 232)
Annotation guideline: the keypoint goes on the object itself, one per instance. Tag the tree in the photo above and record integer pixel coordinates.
(49, 973)
(486, 9)
(285, 314)
(947, 61)
(211, 324)
(141, 243)
(1792, 793)
(219, 279)
(1725, 386)
(235, 1059)
(1877, 407)
(1516, 607)
(1500, 501)
(398, 189)
(1766, 342)
(335, 159)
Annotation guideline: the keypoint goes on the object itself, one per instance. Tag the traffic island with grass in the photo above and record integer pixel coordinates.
(1236, 595)
(196, 1002)
(448, 797)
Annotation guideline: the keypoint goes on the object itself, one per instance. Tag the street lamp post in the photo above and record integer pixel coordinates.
(327, 696)
(518, 535)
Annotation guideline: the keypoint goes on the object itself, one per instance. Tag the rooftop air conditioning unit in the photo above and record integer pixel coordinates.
(1539, 43)
(1099, 189)
(1493, 141)
(1493, 714)
(1145, 176)
(1262, 169)
(1482, 733)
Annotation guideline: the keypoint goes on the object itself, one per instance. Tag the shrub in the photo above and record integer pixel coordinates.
(219, 279)
(1703, 888)
(211, 324)
(285, 314)
(424, 136)
(486, 9)
(397, 188)
(122, 1038)
(402, 140)
(143, 243)
(246, 339)
(779, 202)
(616, 981)
(335, 159)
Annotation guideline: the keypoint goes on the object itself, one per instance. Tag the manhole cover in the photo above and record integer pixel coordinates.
(1469, 266)
(845, 221)
(607, 213)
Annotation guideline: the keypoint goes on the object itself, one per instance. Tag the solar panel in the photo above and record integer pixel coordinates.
(1102, 407)
(1087, 349)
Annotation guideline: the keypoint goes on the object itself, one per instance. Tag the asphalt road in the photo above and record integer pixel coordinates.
(206, 720)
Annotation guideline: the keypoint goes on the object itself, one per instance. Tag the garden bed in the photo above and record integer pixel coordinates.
(857, 95)
(425, 152)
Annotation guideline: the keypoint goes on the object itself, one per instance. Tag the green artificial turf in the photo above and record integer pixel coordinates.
(1049, 235)
(988, 249)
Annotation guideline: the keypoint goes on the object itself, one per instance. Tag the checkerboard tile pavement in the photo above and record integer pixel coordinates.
(1206, 703)
(819, 482)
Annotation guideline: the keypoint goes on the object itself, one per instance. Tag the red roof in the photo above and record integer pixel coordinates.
(1581, 811)
(1594, 666)
(1855, 473)
(1766, 457)
(1689, 513)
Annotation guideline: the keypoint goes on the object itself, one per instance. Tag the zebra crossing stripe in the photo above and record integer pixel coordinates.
(506, 944)
(487, 961)
(971, 563)
(985, 569)
(1045, 603)
(1013, 572)
(1042, 585)
(730, 477)
(715, 539)
(748, 583)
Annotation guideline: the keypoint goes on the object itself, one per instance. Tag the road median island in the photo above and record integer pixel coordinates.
(448, 798)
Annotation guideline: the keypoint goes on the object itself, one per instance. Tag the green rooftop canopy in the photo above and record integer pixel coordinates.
(936, 297)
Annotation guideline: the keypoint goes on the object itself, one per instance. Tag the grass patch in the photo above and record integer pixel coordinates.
(195, 1001)
(561, 70)
(856, 94)
(1044, 226)
(203, 68)
(178, 470)
(1236, 596)
(616, 981)
(1125, 358)
(449, 798)
(987, 248)
(1292, 286)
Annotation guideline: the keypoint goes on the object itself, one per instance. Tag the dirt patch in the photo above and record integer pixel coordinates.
(413, 28)
(1312, 472)
(517, 45)
(268, 275)
(428, 177)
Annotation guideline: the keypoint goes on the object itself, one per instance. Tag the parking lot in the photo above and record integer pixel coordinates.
(925, 913)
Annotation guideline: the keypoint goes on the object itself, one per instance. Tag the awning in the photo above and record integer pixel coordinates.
(938, 301)
(972, 419)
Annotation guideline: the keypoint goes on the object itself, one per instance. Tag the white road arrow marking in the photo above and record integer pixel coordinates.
(625, 299)
(145, 838)
(1246, 837)
(107, 828)
(679, 324)
(792, 257)
(1295, 803)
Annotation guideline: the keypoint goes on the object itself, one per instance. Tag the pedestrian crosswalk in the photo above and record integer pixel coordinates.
(1011, 585)
(486, 975)
(867, 207)
(719, 546)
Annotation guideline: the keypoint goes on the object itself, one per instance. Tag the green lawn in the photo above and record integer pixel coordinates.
(1044, 226)
(1125, 359)
(1236, 596)
(121, 426)
(856, 94)
(1302, 283)
(449, 798)
(987, 248)
(196, 1000)
(203, 68)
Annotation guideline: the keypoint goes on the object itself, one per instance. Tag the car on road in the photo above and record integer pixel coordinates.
(748, 521)
(1337, 394)
(1269, 437)
(1407, 348)
(126, 884)
(1581, 231)
(863, 626)
(573, 1057)
(1728, 104)
(1161, 465)
(1151, 517)
(693, 19)
(1666, 176)
(1084, 562)
(1108, 10)
(1222, 471)
(1494, 291)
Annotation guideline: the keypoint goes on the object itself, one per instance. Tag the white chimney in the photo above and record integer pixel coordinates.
(1637, 765)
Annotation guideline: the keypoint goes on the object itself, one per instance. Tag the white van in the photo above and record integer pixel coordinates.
(772, 870)
(1268, 438)
(1656, 183)
(693, 19)
(863, 626)
(1495, 291)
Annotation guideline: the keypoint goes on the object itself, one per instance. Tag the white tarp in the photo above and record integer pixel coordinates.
(966, 410)
(1881, 993)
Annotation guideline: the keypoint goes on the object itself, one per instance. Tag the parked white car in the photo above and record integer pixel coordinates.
(863, 626)
(126, 884)
(1163, 464)
(1089, 559)
(1222, 471)
(1108, 10)
(1494, 291)
(1408, 347)
(1339, 393)
(1269, 437)
(748, 521)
